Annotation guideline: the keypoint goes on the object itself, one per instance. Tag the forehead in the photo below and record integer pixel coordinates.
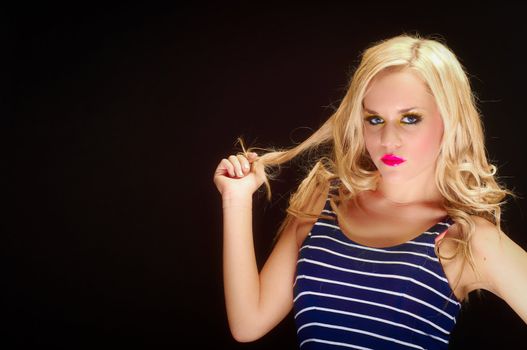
(396, 90)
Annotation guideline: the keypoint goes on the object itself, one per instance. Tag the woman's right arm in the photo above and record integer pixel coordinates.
(255, 302)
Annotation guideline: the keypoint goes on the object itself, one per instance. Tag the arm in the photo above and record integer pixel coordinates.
(255, 302)
(502, 265)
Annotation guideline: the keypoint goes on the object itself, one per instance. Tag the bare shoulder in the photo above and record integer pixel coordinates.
(490, 246)
(495, 256)
(486, 236)
(463, 275)
(502, 265)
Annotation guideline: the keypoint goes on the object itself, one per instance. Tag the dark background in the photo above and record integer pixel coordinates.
(122, 113)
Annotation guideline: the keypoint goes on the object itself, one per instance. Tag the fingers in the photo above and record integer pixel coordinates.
(226, 164)
(236, 167)
(252, 155)
(245, 164)
(239, 165)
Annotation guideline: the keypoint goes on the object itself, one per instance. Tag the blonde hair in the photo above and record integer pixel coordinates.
(463, 175)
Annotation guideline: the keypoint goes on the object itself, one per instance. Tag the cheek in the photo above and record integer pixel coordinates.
(369, 142)
(428, 143)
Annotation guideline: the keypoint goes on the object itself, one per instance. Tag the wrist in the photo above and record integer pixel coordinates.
(237, 201)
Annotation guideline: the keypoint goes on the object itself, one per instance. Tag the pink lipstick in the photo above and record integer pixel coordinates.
(392, 160)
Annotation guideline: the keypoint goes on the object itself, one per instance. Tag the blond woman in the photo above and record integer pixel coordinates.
(396, 223)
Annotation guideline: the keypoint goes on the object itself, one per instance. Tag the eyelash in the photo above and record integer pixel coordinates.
(417, 118)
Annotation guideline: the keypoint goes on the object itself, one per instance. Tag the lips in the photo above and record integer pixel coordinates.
(392, 160)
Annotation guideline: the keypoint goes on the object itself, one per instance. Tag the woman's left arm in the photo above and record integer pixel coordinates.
(502, 265)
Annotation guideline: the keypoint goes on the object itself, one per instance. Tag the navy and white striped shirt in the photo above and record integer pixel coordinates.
(350, 296)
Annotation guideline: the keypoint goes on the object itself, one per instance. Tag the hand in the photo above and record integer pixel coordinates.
(239, 175)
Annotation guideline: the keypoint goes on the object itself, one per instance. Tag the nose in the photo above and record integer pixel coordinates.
(390, 138)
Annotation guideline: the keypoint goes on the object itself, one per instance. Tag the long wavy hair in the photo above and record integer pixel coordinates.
(463, 174)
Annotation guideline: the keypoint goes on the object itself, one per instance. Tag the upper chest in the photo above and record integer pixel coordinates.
(377, 226)
(376, 223)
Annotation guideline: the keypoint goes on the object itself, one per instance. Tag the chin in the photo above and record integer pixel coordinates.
(393, 174)
(393, 178)
(398, 175)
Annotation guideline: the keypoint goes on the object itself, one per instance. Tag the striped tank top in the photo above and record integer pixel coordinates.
(350, 296)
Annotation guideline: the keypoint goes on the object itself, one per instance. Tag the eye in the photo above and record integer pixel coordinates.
(411, 119)
(374, 120)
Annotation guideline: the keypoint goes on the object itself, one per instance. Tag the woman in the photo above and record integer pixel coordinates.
(391, 229)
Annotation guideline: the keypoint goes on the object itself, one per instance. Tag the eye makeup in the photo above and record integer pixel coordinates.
(411, 118)
(373, 119)
(406, 119)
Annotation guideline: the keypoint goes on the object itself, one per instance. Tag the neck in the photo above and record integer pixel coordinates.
(409, 194)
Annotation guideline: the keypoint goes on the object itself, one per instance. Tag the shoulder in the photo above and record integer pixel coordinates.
(486, 238)
(502, 265)
(467, 274)
(485, 247)
(493, 254)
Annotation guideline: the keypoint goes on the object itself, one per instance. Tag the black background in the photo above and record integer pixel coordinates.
(122, 113)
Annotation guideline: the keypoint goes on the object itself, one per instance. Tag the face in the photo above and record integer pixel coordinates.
(402, 127)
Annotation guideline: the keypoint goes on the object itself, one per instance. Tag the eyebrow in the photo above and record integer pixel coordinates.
(404, 110)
